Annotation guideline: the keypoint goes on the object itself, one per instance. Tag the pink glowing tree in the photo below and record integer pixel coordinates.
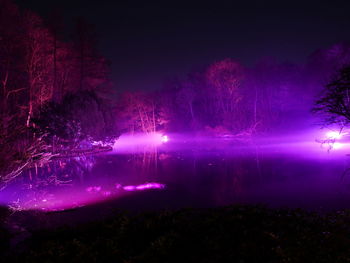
(141, 112)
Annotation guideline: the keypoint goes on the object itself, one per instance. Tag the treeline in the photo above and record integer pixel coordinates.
(55, 92)
(37, 66)
(50, 86)
(227, 97)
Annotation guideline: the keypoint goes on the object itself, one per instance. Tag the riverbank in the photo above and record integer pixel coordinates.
(226, 234)
(82, 152)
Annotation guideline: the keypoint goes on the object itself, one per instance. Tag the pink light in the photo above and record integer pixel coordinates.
(334, 135)
(165, 138)
(129, 188)
(337, 146)
(93, 189)
(150, 186)
(142, 187)
(107, 193)
(135, 142)
(75, 198)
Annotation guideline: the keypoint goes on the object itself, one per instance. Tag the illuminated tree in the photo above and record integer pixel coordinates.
(38, 63)
(141, 112)
(43, 76)
(225, 79)
(225, 76)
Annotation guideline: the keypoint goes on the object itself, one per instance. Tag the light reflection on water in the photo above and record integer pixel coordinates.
(196, 173)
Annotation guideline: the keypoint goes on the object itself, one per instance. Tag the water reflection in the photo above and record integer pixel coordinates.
(201, 173)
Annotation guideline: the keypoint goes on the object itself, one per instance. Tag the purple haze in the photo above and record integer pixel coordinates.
(295, 171)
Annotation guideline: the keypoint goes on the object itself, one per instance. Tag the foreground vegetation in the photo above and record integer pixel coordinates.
(229, 234)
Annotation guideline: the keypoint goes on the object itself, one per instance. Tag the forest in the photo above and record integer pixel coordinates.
(57, 96)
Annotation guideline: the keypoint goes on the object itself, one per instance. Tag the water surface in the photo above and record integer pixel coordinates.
(188, 172)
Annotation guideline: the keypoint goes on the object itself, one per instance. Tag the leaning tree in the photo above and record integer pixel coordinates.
(334, 105)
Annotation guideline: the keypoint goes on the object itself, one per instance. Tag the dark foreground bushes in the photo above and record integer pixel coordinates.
(231, 234)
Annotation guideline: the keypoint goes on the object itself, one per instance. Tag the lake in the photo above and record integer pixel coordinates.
(187, 171)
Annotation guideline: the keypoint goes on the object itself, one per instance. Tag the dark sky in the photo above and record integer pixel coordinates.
(149, 41)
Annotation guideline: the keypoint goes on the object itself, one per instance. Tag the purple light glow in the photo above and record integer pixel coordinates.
(150, 186)
(93, 189)
(135, 142)
(165, 138)
(73, 198)
(206, 149)
(142, 187)
(332, 135)
(334, 140)
(129, 188)
(107, 193)
(338, 145)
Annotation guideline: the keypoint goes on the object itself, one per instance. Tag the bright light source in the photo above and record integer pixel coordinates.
(334, 135)
(165, 138)
(337, 146)
(138, 142)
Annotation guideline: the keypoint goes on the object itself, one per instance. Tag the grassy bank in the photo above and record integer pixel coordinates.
(229, 234)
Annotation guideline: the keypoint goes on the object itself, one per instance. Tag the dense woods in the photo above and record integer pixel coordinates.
(227, 97)
(50, 87)
(56, 93)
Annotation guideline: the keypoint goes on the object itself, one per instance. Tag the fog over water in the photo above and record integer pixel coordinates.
(187, 171)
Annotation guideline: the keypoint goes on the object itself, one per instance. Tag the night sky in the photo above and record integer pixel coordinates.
(149, 42)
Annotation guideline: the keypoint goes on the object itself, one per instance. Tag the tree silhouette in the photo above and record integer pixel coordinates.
(335, 103)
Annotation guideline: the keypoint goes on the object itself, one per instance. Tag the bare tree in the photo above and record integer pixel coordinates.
(335, 103)
(38, 61)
